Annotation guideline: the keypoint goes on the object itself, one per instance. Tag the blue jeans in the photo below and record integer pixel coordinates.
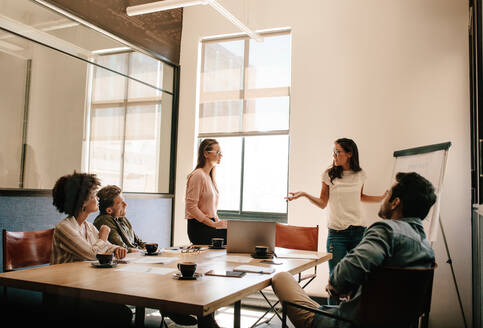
(341, 242)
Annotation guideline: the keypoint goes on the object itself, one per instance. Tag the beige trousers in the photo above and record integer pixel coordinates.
(287, 289)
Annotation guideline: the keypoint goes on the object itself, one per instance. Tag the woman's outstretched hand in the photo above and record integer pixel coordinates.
(294, 195)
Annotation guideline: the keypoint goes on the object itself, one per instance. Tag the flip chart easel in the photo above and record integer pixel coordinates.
(430, 162)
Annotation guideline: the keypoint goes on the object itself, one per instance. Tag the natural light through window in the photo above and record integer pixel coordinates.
(127, 118)
(245, 105)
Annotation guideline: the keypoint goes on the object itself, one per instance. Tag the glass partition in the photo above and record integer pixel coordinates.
(75, 99)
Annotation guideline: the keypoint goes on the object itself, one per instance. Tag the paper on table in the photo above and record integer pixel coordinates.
(214, 254)
(239, 259)
(254, 268)
(155, 259)
(146, 269)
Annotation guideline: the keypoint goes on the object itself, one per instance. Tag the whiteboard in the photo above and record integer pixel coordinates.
(429, 162)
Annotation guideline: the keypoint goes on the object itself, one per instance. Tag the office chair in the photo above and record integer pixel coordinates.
(293, 237)
(391, 297)
(27, 248)
(22, 250)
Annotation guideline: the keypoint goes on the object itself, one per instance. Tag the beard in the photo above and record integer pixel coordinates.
(384, 212)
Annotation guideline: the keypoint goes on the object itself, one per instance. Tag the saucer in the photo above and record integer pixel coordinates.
(107, 265)
(212, 247)
(178, 276)
(267, 256)
(155, 253)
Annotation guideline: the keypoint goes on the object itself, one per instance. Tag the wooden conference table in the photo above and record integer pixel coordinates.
(145, 284)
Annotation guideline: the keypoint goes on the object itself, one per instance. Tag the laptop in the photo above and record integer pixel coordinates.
(243, 236)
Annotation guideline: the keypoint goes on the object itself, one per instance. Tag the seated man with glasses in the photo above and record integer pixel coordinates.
(398, 240)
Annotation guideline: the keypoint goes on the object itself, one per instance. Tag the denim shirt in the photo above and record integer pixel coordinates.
(399, 243)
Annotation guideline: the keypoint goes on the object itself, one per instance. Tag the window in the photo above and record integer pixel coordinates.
(244, 104)
(129, 134)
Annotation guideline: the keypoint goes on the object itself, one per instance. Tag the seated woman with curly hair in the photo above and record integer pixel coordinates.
(75, 239)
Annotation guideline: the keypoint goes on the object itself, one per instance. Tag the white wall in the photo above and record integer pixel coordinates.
(56, 117)
(389, 74)
(12, 95)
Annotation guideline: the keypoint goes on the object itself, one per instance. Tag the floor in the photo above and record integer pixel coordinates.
(224, 317)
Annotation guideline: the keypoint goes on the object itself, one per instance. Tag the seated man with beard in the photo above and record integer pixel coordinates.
(398, 240)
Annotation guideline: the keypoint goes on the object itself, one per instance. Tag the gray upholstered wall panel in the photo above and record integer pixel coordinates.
(150, 217)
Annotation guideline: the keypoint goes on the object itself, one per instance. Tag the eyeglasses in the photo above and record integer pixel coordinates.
(191, 249)
(336, 152)
(215, 151)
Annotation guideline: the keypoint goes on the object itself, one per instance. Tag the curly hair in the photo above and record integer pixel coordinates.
(416, 194)
(349, 146)
(71, 191)
(106, 197)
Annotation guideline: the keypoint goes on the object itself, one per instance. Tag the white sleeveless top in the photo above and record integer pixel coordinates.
(345, 199)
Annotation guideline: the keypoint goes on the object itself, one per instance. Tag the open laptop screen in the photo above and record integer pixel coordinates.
(243, 236)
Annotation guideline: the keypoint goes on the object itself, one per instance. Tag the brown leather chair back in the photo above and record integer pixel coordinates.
(396, 297)
(294, 237)
(28, 248)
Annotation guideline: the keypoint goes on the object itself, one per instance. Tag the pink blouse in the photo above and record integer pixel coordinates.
(201, 196)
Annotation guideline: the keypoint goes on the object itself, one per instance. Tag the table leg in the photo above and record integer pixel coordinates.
(139, 319)
(236, 318)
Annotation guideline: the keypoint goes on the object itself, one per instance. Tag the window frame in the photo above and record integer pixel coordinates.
(124, 104)
(245, 95)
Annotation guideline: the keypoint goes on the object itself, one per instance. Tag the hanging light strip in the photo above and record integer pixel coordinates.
(173, 4)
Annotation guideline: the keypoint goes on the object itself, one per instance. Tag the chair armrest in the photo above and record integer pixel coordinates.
(319, 311)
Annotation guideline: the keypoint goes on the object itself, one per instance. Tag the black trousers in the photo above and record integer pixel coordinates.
(201, 234)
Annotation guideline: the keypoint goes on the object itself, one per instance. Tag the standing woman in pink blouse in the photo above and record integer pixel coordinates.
(202, 196)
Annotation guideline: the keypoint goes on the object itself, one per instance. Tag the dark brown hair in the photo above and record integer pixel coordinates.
(349, 146)
(206, 145)
(106, 197)
(71, 191)
(416, 194)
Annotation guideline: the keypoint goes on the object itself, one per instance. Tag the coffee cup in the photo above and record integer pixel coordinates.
(187, 269)
(217, 242)
(105, 258)
(261, 250)
(151, 247)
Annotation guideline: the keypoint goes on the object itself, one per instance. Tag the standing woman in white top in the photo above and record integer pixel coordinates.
(343, 190)
(202, 196)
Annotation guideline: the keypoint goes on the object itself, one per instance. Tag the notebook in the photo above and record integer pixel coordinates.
(231, 274)
(254, 269)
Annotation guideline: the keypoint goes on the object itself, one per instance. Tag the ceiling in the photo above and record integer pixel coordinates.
(158, 33)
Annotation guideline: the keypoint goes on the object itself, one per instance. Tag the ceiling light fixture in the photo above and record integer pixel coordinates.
(173, 4)
(110, 50)
(162, 5)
